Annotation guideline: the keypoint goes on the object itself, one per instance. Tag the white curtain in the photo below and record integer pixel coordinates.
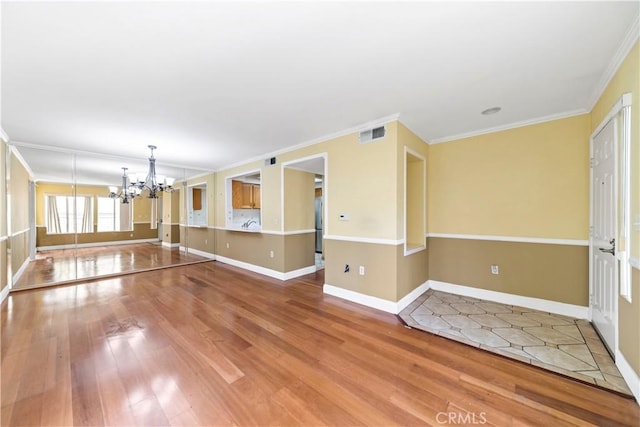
(53, 217)
(87, 217)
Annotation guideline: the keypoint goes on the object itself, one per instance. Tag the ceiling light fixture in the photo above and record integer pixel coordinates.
(135, 184)
(490, 111)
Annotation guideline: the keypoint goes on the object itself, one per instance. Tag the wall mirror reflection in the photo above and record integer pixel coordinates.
(94, 216)
(197, 205)
(243, 200)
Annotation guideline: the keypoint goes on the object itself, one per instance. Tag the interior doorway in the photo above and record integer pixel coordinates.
(317, 166)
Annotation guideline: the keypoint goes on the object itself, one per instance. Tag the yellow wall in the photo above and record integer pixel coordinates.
(531, 181)
(18, 193)
(299, 200)
(627, 79)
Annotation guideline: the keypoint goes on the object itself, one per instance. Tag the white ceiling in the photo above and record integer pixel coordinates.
(215, 83)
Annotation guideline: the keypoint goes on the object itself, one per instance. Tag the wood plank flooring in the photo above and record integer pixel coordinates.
(210, 344)
(64, 265)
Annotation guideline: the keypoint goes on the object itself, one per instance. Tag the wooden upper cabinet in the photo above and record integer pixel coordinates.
(196, 199)
(255, 190)
(244, 195)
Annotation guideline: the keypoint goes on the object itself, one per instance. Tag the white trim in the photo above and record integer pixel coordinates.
(198, 252)
(411, 297)
(170, 245)
(17, 233)
(414, 250)
(3, 136)
(14, 150)
(94, 244)
(362, 299)
(630, 376)
(292, 232)
(274, 232)
(372, 240)
(267, 271)
(20, 271)
(325, 205)
(299, 272)
(514, 125)
(3, 238)
(561, 308)
(355, 129)
(623, 101)
(616, 61)
(634, 262)
(543, 240)
(4, 293)
(409, 150)
(375, 302)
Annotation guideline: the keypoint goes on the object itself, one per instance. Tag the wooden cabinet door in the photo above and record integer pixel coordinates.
(236, 194)
(196, 199)
(256, 196)
(247, 201)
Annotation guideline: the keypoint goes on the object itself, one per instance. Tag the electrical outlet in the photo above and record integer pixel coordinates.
(270, 254)
(361, 270)
(227, 245)
(206, 241)
(346, 268)
(494, 269)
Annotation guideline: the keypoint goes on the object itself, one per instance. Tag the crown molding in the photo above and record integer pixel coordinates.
(515, 125)
(373, 123)
(616, 61)
(14, 150)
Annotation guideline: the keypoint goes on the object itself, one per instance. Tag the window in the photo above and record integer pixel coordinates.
(69, 214)
(114, 215)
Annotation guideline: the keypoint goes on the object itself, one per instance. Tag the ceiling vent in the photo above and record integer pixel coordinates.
(371, 135)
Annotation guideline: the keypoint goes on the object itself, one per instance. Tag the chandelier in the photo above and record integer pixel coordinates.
(134, 184)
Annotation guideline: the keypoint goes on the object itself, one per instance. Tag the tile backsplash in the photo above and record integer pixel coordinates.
(241, 216)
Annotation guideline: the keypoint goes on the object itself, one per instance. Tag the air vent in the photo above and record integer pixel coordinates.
(371, 135)
(270, 161)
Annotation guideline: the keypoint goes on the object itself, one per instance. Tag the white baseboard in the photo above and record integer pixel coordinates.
(4, 293)
(170, 245)
(266, 271)
(375, 302)
(411, 296)
(20, 271)
(198, 252)
(630, 376)
(362, 299)
(576, 311)
(299, 272)
(94, 244)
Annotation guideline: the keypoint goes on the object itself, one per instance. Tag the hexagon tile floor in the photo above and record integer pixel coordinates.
(560, 344)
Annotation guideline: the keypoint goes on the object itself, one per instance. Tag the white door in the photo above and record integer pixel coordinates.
(604, 271)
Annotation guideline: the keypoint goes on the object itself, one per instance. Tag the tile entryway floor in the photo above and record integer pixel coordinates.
(560, 344)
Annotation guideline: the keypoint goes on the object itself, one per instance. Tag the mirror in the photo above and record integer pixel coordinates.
(243, 201)
(84, 224)
(197, 204)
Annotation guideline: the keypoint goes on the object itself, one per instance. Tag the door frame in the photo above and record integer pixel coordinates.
(622, 102)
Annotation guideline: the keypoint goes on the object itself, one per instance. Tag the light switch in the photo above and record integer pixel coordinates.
(343, 217)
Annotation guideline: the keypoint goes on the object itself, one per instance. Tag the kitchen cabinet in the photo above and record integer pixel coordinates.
(245, 195)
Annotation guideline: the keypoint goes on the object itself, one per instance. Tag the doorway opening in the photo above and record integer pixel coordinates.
(311, 173)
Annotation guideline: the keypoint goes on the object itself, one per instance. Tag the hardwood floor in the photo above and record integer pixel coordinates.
(210, 344)
(59, 266)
